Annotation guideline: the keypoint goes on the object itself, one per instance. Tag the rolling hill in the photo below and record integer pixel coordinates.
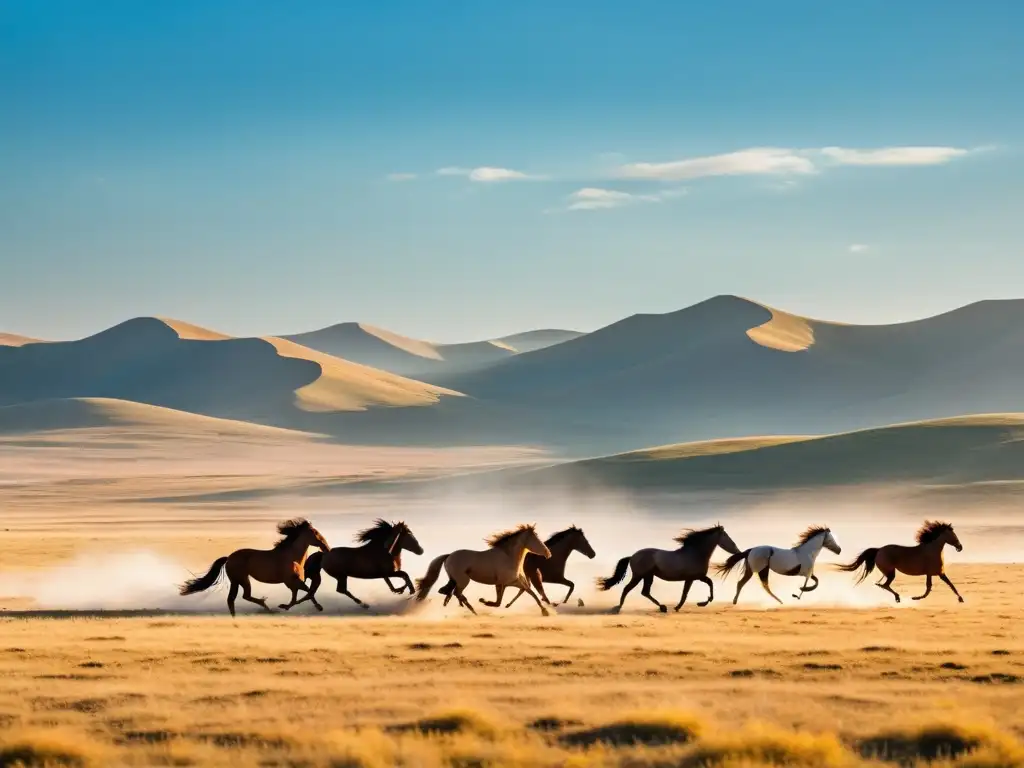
(14, 340)
(947, 452)
(403, 355)
(730, 367)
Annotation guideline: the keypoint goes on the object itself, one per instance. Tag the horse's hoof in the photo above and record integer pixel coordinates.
(579, 603)
(663, 608)
(545, 612)
(365, 607)
(284, 607)
(959, 599)
(319, 607)
(897, 598)
(705, 604)
(616, 609)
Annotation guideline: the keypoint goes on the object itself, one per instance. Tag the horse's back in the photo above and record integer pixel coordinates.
(779, 559)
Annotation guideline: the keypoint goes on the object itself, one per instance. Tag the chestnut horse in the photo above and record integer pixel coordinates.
(280, 565)
(501, 565)
(380, 557)
(923, 560)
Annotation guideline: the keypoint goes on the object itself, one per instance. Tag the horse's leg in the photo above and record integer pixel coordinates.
(763, 575)
(886, 585)
(686, 591)
(394, 591)
(945, 578)
(747, 575)
(538, 582)
(646, 592)
(803, 589)
(343, 590)
(408, 581)
(295, 584)
(232, 594)
(626, 590)
(499, 592)
(521, 590)
(564, 581)
(315, 580)
(457, 591)
(927, 588)
(247, 595)
(711, 591)
(524, 584)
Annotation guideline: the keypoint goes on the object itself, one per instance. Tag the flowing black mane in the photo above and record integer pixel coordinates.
(498, 539)
(291, 530)
(691, 537)
(810, 533)
(380, 532)
(931, 530)
(562, 535)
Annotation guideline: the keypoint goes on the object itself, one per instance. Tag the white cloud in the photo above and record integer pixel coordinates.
(595, 198)
(893, 155)
(401, 176)
(857, 248)
(488, 174)
(746, 162)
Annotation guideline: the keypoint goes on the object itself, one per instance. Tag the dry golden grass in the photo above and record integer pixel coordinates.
(727, 686)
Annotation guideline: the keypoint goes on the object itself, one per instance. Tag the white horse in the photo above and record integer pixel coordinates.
(798, 561)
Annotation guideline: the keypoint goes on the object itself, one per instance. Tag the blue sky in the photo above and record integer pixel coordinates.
(458, 170)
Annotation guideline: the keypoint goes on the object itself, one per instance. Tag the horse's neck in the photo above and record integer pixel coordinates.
(296, 552)
(560, 550)
(518, 555)
(933, 547)
(812, 548)
(703, 553)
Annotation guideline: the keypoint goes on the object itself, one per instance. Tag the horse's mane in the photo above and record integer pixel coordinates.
(381, 530)
(290, 530)
(557, 537)
(810, 533)
(498, 539)
(691, 537)
(931, 530)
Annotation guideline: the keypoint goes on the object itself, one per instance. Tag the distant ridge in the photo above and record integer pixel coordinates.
(404, 355)
(14, 340)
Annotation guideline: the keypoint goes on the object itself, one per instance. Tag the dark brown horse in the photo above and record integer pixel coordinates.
(689, 563)
(380, 557)
(923, 560)
(540, 570)
(281, 565)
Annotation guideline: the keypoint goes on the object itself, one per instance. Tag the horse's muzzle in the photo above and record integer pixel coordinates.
(959, 547)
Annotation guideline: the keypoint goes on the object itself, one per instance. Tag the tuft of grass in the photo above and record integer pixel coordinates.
(655, 729)
(764, 746)
(28, 749)
(460, 721)
(962, 743)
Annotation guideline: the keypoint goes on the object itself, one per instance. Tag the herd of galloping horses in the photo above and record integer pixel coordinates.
(518, 558)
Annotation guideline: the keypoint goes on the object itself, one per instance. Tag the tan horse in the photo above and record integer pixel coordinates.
(501, 565)
(689, 563)
(923, 560)
(281, 565)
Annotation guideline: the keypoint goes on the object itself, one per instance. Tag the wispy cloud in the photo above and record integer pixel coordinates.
(893, 155)
(746, 162)
(596, 198)
(857, 247)
(401, 176)
(488, 174)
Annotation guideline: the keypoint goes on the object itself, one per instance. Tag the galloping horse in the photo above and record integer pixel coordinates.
(540, 570)
(280, 565)
(923, 560)
(380, 557)
(798, 561)
(501, 565)
(689, 563)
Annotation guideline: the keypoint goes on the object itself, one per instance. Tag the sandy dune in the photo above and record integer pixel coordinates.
(14, 340)
(393, 352)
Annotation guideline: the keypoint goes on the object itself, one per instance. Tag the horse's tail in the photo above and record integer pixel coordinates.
(620, 573)
(202, 583)
(866, 559)
(433, 571)
(731, 562)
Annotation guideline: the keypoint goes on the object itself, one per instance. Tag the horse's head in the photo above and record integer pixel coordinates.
(725, 542)
(830, 543)
(532, 541)
(314, 538)
(405, 540)
(949, 537)
(581, 545)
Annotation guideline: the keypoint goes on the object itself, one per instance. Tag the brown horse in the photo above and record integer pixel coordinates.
(689, 563)
(380, 557)
(540, 570)
(280, 565)
(500, 565)
(923, 560)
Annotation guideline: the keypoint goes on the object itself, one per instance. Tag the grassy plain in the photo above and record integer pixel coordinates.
(723, 685)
